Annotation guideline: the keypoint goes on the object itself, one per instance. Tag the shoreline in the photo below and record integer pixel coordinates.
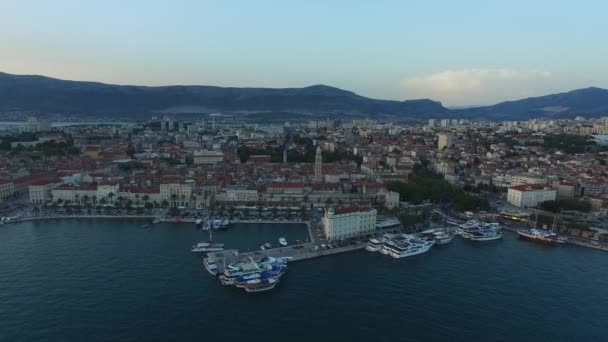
(38, 218)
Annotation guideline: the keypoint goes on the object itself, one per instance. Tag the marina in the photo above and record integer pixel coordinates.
(156, 273)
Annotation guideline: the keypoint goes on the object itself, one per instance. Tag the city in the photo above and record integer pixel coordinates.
(311, 171)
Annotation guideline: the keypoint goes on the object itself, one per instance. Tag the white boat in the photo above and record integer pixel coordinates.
(205, 247)
(199, 223)
(387, 223)
(268, 245)
(374, 245)
(485, 235)
(262, 247)
(225, 223)
(156, 220)
(411, 246)
(206, 225)
(282, 242)
(442, 238)
(211, 266)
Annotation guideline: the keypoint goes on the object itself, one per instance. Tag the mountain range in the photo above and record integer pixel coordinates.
(39, 95)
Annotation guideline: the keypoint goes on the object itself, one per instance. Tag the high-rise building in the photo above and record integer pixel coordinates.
(431, 122)
(319, 165)
(445, 141)
(445, 123)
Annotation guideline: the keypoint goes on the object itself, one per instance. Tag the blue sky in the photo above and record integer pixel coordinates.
(457, 52)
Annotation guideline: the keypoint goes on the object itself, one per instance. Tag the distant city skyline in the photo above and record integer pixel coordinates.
(460, 53)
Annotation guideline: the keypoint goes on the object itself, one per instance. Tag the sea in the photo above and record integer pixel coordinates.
(115, 280)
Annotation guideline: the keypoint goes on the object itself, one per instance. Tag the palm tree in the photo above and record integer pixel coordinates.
(145, 198)
(111, 196)
(164, 204)
(76, 198)
(173, 199)
(85, 199)
(94, 199)
(36, 211)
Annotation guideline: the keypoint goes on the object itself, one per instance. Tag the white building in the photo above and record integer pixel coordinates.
(530, 195)
(523, 179)
(7, 190)
(207, 157)
(391, 200)
(345, 223)
(177, 194)
(41, 192)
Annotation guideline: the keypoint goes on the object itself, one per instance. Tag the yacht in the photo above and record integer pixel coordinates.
(205, 247)
(282, 242)
(234, 271)
(443, 237)
(387, 223)
(216, 224)
(487, 234)
(211, 266)
(374, 245)
(411, 246)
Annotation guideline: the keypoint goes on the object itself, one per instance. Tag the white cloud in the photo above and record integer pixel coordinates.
(473, 86)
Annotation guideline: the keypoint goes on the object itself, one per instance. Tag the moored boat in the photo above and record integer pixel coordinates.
(282, 242)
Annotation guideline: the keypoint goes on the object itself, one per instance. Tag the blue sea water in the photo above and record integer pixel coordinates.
(112, 280)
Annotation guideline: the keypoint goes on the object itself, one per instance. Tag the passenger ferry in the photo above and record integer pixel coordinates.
(411, 246)
(211, 267)
(374, 245)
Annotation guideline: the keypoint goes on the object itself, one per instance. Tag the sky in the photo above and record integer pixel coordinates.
(457, 52)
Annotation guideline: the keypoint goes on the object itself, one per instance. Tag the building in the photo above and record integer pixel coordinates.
(7, 190)
(391, 200)
(530, 195)
(445, 141)
(319, 165)
(40, 192)
(207, 157)
(177, 194)
(343, 223)
(526, 178)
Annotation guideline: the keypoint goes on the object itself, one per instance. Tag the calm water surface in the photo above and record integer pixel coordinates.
(111, 280)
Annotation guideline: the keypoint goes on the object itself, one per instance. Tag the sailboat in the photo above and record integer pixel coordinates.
(205, 247)
(547, 237)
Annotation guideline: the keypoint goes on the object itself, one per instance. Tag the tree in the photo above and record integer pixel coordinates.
(173, 200)
(164, 204)
(148, 206)
(36, 211)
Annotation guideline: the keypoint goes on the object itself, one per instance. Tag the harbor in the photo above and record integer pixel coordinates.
(156, 271)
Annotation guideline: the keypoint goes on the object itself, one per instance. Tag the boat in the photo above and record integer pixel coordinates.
(225, 223)
(443, 237)
(205, 247)
(412, 245)
(262, 247)
(233, 271)
(206, 225)
(387, 223)
(541, 236)
(145, 225)
(156, 220)
(487, 234)
(216, 224)
(268, 245)
(374, 245)
(211, 266)
(282, 242)
(547, 237)
(262, 285)
(199, 223)
(176, 221)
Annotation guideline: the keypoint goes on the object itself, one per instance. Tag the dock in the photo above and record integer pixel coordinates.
(572, 240)
(292, 253)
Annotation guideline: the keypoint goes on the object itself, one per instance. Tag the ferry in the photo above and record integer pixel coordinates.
(411, 246)
(387, 223)
(236, 270)
(282, 242)
(541, 236)
(374, 245)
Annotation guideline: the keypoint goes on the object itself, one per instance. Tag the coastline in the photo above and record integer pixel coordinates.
(38, 218)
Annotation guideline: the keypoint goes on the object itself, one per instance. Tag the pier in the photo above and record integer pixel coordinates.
(292, 253)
